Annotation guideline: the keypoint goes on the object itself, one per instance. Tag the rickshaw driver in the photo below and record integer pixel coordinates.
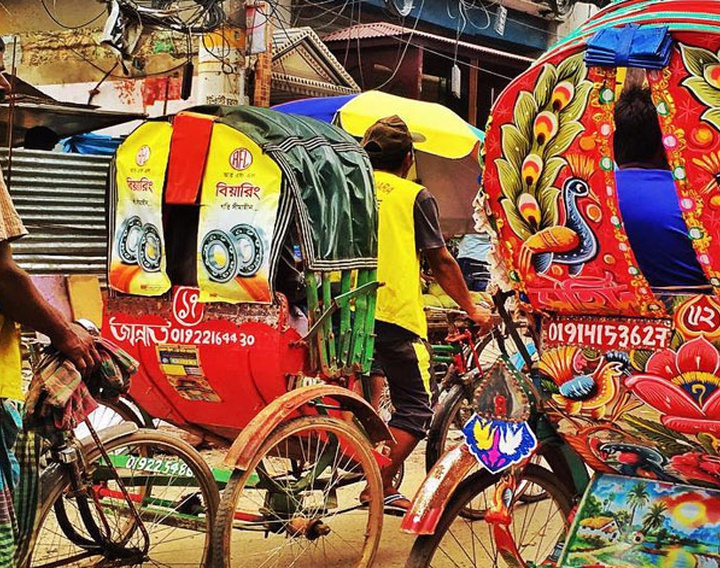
(648, 198)
(20, 301)
(408, 226)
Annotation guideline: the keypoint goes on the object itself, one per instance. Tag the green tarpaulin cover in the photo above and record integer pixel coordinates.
(328, 178)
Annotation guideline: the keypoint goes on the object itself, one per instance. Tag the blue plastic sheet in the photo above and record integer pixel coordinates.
(647, 47)
(91, 144)
(323, 109)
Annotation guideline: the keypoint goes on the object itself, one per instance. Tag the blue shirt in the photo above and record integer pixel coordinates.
(474, 246)
(656, 229)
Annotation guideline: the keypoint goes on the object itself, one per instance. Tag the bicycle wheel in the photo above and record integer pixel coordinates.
(445, 432)
(171, 488)
(113, 413)
(297, 504)
(454, 407)
(537, 527)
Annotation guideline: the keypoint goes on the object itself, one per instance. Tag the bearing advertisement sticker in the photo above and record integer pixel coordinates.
(138, 257)
(181, 365)
(239, 206)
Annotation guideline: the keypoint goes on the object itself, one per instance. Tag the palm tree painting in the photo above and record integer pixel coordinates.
(654, 519)
(637, 497)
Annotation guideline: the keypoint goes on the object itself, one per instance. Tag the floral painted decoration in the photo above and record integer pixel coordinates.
(684, 386)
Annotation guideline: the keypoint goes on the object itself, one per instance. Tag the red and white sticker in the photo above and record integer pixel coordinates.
(241, 159)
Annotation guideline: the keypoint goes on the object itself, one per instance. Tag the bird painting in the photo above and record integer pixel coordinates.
(546, 122)
(584, 240)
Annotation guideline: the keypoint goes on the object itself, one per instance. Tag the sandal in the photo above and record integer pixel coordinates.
(396, 504)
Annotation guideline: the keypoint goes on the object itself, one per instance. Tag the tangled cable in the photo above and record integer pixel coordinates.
(189, 16)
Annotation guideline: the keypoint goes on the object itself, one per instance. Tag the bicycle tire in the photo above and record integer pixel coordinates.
(481, 484)
(253, 513)
(152, 442)
(108, 413)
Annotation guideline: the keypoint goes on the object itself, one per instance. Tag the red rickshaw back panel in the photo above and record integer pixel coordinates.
(551, 186)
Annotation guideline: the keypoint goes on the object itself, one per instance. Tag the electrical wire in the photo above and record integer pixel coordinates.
(405, 49)
(55, 19)
(476, 5)
(402, 43)
(471, 6)
(282, 24)
(116, 76)
(207, 15)
(351, 19)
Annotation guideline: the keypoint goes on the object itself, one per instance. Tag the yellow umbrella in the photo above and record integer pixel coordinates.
(447, 158)
(445, 133)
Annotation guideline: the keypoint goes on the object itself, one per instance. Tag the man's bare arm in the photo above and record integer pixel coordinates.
(23, 303)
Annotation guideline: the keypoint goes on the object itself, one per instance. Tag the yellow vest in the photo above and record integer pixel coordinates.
(10, 360)
(400, 299)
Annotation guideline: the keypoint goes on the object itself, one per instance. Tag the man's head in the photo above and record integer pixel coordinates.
(638, 139)
(389, 144)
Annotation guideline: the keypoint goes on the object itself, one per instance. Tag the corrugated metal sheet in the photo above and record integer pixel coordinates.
(61, 199)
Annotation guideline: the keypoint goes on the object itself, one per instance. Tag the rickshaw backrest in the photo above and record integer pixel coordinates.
(551, 188)
(211, 197)
(550, 178)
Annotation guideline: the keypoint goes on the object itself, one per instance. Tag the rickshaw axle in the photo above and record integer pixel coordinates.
(311, 529)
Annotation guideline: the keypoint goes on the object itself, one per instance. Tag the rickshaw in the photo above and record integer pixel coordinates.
(627, 385)
(242, 276)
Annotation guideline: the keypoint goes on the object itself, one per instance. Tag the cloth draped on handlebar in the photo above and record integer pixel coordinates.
(59, 400)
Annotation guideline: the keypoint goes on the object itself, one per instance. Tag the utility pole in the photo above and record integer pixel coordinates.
(221, 60)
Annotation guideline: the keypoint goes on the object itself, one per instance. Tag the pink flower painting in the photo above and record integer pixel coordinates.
(684, 386)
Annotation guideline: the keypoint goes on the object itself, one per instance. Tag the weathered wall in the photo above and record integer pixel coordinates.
(19, 16)
(580, 13)
(70, 64)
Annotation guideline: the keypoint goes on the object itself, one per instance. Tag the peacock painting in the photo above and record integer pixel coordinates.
(545, 123)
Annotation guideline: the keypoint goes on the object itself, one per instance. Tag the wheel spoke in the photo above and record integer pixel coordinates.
(309, 511)
(536, 525)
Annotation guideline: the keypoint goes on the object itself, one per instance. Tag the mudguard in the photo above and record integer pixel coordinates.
(435, 492)
(248, 443)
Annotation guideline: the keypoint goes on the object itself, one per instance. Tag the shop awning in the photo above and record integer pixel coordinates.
(64, 120)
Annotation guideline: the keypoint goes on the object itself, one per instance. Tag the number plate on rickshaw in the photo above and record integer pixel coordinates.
(607, 333)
